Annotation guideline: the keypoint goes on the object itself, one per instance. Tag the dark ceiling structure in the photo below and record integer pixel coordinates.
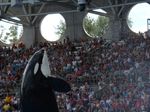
(29, 10)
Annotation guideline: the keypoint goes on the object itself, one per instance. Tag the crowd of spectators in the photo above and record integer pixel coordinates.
(105, 76)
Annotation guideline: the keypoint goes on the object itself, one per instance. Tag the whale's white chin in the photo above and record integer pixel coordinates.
(45, 69)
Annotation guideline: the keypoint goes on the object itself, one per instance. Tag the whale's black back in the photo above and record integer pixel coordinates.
(39, 100)
(39, 96)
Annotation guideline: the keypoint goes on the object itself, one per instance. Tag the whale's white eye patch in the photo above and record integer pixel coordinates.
(36, 68)
(45, 66)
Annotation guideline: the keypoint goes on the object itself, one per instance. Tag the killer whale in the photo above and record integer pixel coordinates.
(38, 85)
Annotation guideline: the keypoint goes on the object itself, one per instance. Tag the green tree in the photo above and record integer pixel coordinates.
(93, 27)
(13, 34)
(9, 35)
(96, 27)
(89, 26)
(61, 29)
(130, 22)
(1, 31)
(101, 25)
(6, 37)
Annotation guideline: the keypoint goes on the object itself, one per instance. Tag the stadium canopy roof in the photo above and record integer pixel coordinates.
(29, 10)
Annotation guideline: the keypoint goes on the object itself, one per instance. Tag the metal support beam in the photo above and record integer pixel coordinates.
(112, 8)
(13, 20)
(120, 11)
(40, 10)
(6, 3)
(9, 3)
(1, 13)
(44, 13)
(116, 8)
(75, 2)
(30, 12)
(99, 13)
(70, 11)
(6, 9)
(25, 12)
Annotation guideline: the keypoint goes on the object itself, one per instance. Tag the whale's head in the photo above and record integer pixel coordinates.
(37, 72)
